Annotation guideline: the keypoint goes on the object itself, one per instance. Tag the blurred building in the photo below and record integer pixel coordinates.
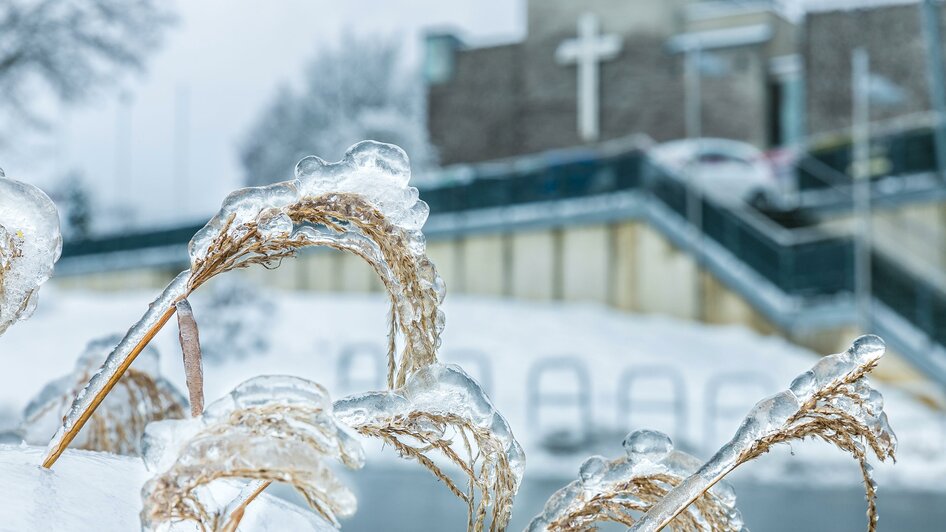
(499, 101)
(766, 76)
(552, 210)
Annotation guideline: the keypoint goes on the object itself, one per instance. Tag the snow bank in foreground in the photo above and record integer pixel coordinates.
(339, 341)
(101, 492)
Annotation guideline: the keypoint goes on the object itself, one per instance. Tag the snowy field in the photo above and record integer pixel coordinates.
(572, 379)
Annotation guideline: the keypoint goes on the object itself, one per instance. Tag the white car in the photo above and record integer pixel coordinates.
(729, 170)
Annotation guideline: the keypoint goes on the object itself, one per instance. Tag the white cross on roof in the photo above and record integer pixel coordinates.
(587, 51)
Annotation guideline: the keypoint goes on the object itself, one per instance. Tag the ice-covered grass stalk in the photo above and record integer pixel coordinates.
(141, 396)
(618, 490)
(30, 243)
(833, 402)
(273, 428)
(442, 411)
(189, 336)
(362, 204)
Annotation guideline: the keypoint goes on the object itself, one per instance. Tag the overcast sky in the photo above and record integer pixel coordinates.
(227, 57)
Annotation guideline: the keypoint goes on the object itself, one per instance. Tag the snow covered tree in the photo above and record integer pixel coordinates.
(75, 202)
(358, 89)
(65, 50)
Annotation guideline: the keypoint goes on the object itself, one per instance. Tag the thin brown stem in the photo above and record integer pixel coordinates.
(97, 400)
(237, 515)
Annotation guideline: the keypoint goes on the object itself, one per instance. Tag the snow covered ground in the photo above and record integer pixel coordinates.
(109, 501)
(338, 340)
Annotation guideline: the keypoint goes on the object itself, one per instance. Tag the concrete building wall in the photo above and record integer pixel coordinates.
(484, 263)
(445, 256)
(586, 263)
(625, 269)
(533, 265)
(667, 278)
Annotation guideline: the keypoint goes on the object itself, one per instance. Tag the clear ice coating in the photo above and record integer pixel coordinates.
(84, 400)
(376, 171)
(376, 174)
(141, 396)
(440, 398)
(269, 428)
(30, 244)
(372, 172)
(829, 387)
(649, 461)
(439, 389)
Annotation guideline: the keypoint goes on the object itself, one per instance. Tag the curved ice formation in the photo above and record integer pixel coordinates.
(619, 489)
(30, 244)
(142, 396)
(435, 400)
(270, 428)
(833, 401)
(362, 204)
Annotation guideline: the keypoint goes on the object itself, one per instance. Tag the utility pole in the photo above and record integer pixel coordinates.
(693, 96)
(181, 145)
(860, 173)
(936, 77)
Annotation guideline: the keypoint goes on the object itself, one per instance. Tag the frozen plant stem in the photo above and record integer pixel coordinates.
(362, 205)
(121, 359)
(190, 347)
(833, 402)
(236, 515)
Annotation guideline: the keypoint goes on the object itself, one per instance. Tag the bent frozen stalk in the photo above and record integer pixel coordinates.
(833, 401)
(270, 428)
(362, 205)
(613, 490)
(30, 244)
(443, 409)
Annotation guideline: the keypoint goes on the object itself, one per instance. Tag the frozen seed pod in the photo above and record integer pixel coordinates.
(618, 490)
(271, 428)
(438, 410)
(30, 244)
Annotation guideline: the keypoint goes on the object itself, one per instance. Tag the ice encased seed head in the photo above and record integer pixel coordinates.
(866, 349)
(378, 173)
(648, 444)
(592, 470)
(439, 389)
(803, 386)
(30, 244)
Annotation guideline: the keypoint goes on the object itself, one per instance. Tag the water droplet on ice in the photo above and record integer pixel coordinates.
(649, 444)
(391, 160)
(875, 402)
(310, 166)
(274, 224)
(592, 470)
(803, 386)
(867, 348)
